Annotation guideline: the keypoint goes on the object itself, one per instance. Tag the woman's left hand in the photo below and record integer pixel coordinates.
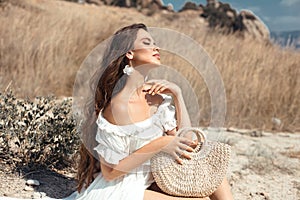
(153, 87)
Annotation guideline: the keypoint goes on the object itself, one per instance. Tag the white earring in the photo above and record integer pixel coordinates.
(128, 70)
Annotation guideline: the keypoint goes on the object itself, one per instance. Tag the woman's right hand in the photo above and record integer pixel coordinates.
(177, 147)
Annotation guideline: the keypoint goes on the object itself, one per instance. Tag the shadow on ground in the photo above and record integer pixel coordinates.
(53, 183)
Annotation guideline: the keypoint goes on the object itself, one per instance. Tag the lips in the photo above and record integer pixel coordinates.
(157, 55)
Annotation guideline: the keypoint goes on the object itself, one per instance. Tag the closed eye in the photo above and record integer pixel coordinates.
(147, 41)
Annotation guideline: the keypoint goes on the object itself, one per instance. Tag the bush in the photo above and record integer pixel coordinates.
(39, 132)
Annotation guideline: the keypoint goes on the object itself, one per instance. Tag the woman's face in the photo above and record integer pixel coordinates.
(145, 50)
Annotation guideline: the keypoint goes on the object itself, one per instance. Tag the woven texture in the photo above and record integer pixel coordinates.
(197, 177)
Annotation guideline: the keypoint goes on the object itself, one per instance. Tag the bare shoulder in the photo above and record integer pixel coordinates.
(120, 112)
(115, 111)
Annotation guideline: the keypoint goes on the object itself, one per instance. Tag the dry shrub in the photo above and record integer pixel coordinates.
(40, 132)
(42, 47)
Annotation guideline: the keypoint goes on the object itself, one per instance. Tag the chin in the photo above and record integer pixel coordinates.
(157, 62)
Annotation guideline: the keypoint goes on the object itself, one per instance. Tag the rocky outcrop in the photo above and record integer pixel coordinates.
(96, 2)
(189, 6)
(219, 16)
(153, 5)
(213, 3)
(253, 25)
(222, 17)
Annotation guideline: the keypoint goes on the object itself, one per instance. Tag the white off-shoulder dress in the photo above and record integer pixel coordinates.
(115, 143)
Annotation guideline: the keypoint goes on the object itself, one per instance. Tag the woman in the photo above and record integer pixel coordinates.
(131, 117)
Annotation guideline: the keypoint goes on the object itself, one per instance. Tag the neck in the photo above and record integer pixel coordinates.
(135, 82)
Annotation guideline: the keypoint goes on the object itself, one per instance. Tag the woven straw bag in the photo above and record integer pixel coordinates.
(197, 177)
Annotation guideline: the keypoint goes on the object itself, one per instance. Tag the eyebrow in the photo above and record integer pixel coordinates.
(146, 38)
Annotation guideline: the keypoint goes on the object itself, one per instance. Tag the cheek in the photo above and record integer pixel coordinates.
(143, 54)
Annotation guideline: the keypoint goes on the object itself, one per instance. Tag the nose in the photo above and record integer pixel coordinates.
(156, 48)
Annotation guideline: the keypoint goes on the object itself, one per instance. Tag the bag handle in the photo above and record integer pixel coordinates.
(201, 137)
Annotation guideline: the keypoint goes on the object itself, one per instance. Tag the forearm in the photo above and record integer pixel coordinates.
(182, 115)
(133, 160)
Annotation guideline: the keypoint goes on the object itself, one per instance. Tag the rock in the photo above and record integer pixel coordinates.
(96, 2)
(230, 14)
(213, 3)
(151, 5)
(159, 2)
(189, 6)
(28, 188)
(170, 7)
(43, 194)
(194, 15)
(32, 182)
(254, 26)
(220, 16)
(276, 121)
(38, 195)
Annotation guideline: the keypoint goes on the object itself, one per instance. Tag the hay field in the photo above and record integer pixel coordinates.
(43, 43)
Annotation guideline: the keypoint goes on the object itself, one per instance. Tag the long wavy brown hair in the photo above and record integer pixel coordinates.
(106, 82)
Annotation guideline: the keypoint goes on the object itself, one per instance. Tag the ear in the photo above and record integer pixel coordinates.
(129, 55)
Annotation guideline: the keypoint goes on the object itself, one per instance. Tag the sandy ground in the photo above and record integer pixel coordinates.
(263, 166)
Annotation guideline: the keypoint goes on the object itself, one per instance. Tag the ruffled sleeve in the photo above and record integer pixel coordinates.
(112, 146)
(167, 114)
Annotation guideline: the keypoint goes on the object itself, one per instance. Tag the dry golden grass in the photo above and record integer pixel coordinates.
(44, 42)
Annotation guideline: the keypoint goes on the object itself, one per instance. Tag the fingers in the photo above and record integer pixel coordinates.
(159, 89)
(155, 86)
(161, 86)
(187, 156)
(147, 87)
(185, 144)
(194, 145)
(179, 148)
(177, 158)
(179, 161)
(155, 89)
(181, 152)
(187, 141)
(186, 147)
